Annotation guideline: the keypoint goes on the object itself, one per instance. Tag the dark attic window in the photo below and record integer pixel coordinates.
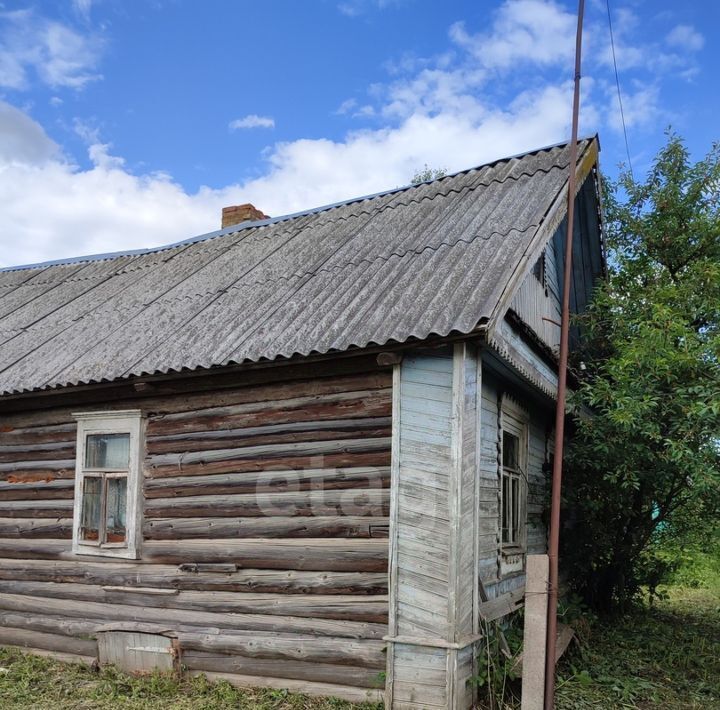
(539, 271)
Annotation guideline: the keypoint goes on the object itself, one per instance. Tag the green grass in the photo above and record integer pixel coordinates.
(32, 682)
(666, 656)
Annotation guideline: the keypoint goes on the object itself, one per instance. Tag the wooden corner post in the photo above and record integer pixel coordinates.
(433, 623)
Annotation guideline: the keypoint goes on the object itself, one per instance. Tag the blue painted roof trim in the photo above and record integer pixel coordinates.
(272, 220)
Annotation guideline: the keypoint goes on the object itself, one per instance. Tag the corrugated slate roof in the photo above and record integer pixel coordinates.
(425, 260)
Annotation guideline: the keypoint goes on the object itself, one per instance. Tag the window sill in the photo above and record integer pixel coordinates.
(512, 559)
(123, 553)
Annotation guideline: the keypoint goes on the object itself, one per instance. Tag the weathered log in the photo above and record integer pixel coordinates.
(276, 527)
(355, 502)
(224, 460)
(172, 617)
(345, 405)
(31, 527)
(39, 452)
(298, 670)
(329, 461)
(170, 577)
(285, 433)
(39, 490)
(190, 391)
(338, 555)
(363, 653)
(35, 508)
(341, 607)
(366, 653)
(24, 638)
(268, 481)
(321, 554)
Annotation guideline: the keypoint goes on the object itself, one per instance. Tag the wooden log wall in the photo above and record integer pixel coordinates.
(265, 527)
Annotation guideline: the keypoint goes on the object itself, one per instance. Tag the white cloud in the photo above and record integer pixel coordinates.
(523, 31)
(22, 140)
(685, 37)
(32, 46)
(252, 121)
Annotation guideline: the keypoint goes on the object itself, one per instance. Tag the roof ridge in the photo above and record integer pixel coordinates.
(274, 220)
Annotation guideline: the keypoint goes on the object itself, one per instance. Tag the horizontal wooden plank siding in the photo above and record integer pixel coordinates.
(265, 528)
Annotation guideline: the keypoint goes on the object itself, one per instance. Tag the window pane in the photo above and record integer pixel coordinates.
(505, 509)
(515, 534)
(511, 449)
(107, 451)
(115, 509)
(90, 522)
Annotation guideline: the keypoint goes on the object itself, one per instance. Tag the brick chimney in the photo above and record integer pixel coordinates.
(241, 213)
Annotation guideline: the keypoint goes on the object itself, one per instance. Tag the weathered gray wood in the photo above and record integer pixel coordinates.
(352, 608)
(309, 408)
(332, 555)
(366, 653)
(170, 617)
(268, 481)
(502, 605)
(370, 427)
(222, 460)
(42, 490)
(302, 554)
(25, 638)
(353, 502)
(274, 527)
(298, 670)
(363, 653)
(35, 508)
(31, 527)
(169, 576)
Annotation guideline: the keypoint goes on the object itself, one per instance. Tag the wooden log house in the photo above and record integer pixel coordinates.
(307, 452)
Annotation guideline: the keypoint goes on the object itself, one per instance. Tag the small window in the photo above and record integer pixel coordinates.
(539, 271)
(513, 477)
(107, 484)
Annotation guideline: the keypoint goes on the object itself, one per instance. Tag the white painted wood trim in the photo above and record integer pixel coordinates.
(122, 422)
(393, 533)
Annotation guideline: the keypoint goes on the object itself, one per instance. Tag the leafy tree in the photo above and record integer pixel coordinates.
(644, 461)
(427, 174)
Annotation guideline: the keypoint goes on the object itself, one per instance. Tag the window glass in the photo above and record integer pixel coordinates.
(506, 509)
(107, 451)
(511, 450)
(90, 521)
(115, 509)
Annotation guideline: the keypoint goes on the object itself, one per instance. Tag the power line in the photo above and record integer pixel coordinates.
(619, 94)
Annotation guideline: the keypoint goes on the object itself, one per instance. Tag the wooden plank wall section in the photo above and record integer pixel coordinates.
(489, 555)
(265, 530)
(433, 530)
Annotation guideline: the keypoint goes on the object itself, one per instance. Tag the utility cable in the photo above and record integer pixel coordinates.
(619, 93)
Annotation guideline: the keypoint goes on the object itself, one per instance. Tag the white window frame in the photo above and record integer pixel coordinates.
(118, 422)
(515, 420)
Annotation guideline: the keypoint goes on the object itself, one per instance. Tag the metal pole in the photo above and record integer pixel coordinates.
(554, 540)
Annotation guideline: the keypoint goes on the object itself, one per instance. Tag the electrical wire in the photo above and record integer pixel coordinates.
(619, 93)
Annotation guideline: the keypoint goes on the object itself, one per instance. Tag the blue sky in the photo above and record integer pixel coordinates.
(128, 124)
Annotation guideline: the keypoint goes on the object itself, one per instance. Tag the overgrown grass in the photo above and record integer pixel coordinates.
(31, 682)
(666, 656)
